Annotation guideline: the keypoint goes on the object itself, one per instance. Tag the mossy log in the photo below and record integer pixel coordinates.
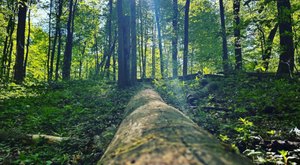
(158, 134)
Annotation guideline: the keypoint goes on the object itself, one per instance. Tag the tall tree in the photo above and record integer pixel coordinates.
(224, 38)
(8, 43)
(141, 50)
(28, 39)
(19, 64)
(58, 30)
(153, 50)
(237, 34)
(175, 38)
(157, 15)
(286, 62)
(268, 50)
(123, 47)
(109, 33)
(186, 37)
(53, 51)
(69, 44)
(49, 39)
(133, 42)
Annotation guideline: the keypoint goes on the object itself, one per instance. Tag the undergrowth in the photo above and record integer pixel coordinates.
(256, 116)
(88, 112)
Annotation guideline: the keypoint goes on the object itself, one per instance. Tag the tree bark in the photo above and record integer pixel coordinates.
(123, 47)
(157, 15)
(133, 42)
(49, 40)
(267, 54)
(153, 51)
(141, 40)
(286, 61)
(224, 39)
(66, 73)
(109, 28)
(237, 35)
(58, 28)
(175, 39)
(144, 60)
(19, 64)
(28, 41)
(156, 133)
(186, 38)
(7, 43)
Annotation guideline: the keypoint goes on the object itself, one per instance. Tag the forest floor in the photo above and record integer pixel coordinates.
(256, 117)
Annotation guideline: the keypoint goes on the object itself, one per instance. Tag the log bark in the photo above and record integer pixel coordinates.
(156, 133)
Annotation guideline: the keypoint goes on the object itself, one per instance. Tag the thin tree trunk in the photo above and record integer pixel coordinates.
(114, 63)
(224, 39)
(133, 42)
(121, 60)
(237, 35)
(81, 59)
(192, 61)
(153, 50)
(49, 40)
(19, 74)
(186, 38)
(53, 53)
(9, 60)
(97, 57)
(157, 15)
(28, 41)
(145, 50)
(58, 26)
(142, 40)
(109, 29)
(267, 55)
(175, 39)
(7, 43)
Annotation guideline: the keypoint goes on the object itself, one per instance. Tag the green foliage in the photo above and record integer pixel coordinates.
(87, 111)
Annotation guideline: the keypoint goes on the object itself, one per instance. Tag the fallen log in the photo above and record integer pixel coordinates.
(16, 135)
(158, 134)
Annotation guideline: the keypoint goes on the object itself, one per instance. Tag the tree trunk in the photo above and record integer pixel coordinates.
(58, 29)
(144, 61)
(28, 41)
(7, 45)
(141, 40)
(69, 44)
(157, 15)
(237, 35)
(49, 40)
(175, 39)
(153, 51)
(133, 42)
(109, 28)
(123, 47)
(286, 62)
(97, 57)
(53, 53)
(156, 133)
(267, 54)
(19, 64)
(121, 73)
(186, 38)
(224, 39)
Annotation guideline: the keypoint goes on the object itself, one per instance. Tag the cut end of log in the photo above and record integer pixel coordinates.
(156, 133)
